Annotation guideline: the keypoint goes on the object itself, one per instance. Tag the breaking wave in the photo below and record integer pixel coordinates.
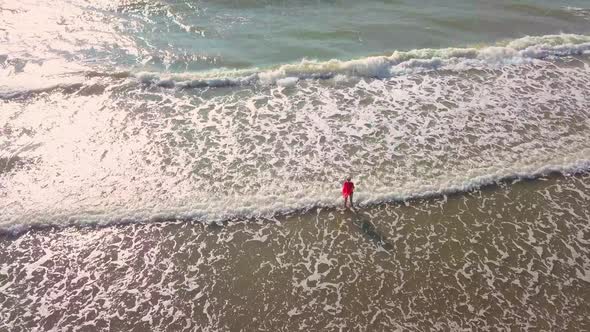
(523, 50)
(519, 51)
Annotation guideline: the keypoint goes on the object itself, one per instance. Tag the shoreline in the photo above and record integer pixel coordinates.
(12, 234)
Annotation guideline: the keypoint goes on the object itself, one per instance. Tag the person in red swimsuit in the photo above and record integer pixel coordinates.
(347, 191)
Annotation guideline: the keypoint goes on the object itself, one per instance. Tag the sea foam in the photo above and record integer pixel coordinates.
(145, 155)
(240, 208)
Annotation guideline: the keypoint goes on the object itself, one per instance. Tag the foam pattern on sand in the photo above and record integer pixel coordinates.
(517, 256)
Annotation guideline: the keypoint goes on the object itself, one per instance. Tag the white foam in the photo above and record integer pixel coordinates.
(233, 208)
(244, 153)
(287, 81)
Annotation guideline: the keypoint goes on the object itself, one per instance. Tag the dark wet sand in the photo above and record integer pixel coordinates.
(514, 256)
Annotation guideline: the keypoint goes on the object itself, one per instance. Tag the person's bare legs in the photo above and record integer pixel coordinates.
(345, 198)
(351, 205)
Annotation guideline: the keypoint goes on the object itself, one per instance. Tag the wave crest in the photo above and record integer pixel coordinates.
(518, 51)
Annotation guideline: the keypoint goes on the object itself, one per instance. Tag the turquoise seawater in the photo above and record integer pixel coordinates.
(200, 35)
(180, 36)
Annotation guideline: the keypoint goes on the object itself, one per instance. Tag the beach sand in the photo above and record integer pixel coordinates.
(511, 256)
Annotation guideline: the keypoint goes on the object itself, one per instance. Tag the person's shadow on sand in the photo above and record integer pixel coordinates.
(370, 230)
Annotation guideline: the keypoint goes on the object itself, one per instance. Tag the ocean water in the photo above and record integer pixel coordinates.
(176, 165)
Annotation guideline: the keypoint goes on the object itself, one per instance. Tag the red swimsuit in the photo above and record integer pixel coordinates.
(347, 188)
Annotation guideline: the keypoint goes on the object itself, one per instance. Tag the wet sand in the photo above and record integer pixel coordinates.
(513, 256)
